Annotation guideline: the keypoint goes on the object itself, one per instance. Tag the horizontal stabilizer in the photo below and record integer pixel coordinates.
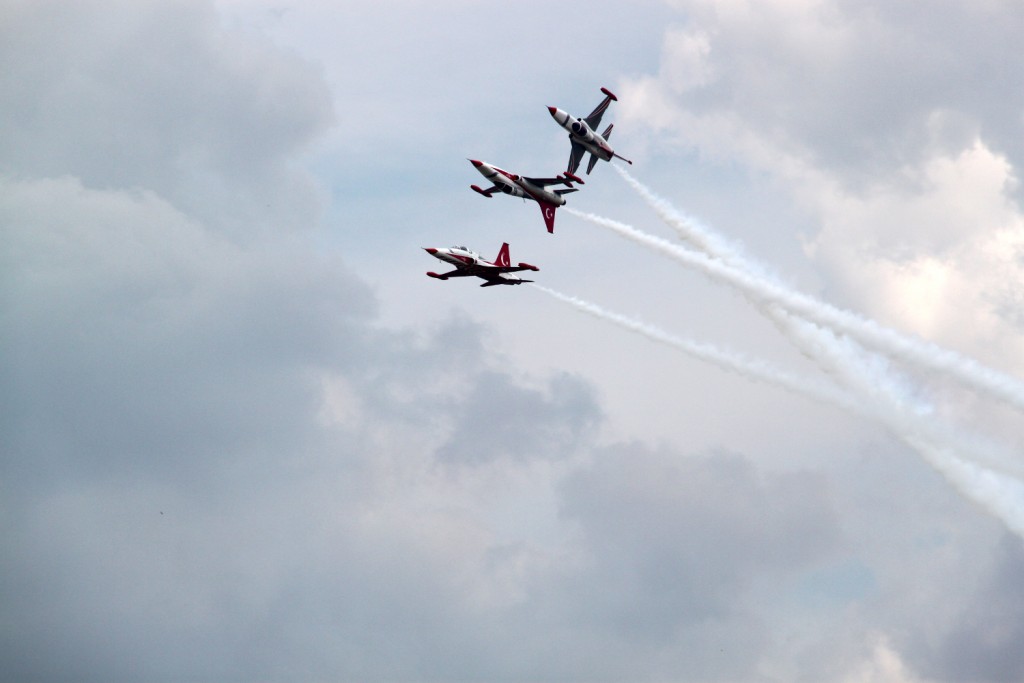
(608, 131)
(571, 189)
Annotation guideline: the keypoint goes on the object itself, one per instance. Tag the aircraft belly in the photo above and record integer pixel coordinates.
(596, 150)
(539, 194)
(512, 189)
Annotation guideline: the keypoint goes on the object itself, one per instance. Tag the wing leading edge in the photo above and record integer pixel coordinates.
(594, 120)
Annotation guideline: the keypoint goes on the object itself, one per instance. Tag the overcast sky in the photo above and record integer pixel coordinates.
(243, 437)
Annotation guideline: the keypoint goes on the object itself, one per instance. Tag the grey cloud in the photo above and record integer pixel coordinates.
(178, 503)
(175, 504)
(984, 641)
(158, 96)
(501, 419)
(854, 85)
(698, 524)
(680, 544)
(132, 334)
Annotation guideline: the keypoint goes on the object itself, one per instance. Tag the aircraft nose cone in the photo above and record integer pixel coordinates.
(476, 163)
(553, 110)
(430, 250)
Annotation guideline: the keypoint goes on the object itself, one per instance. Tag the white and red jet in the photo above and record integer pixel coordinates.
(469, 263)
(583, 135)
(527, 188)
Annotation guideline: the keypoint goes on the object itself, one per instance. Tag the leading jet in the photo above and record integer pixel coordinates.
(469, 263)
(527, 188)
(583, 135)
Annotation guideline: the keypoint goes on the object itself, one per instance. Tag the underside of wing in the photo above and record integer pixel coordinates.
(544, 182)
(575, 155)
(502, 281)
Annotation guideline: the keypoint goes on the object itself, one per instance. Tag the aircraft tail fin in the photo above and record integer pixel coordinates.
(608, 131)
(591, 163)
(503, 259)
(549, 215)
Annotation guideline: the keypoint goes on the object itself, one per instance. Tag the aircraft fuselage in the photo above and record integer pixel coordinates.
(469, 263)
(582, 133)
(516, 185)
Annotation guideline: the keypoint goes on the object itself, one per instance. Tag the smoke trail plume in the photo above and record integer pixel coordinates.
(994, 492)
(891, 403)
(688, 228)
(887, 399)
(750, 369)
(817, 342)
(764, 292)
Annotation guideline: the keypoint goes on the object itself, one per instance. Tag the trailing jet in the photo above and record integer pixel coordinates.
(469, 263)
(583, 135)
(527, 188)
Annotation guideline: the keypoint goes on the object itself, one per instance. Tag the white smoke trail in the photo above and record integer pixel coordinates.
(890, 401)
(822, 346)
(748, 368)
(895, 403)
(688, 228)
(764, 292)
(994, 492)
(820, 343)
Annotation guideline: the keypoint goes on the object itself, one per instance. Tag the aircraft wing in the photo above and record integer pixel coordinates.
(544, 182)
(461, 272)
(594, 120)
(575, 155)
(516, 269)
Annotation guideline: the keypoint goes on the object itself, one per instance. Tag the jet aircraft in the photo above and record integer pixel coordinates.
(527, 188)
(469, 263)
(583, 135)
